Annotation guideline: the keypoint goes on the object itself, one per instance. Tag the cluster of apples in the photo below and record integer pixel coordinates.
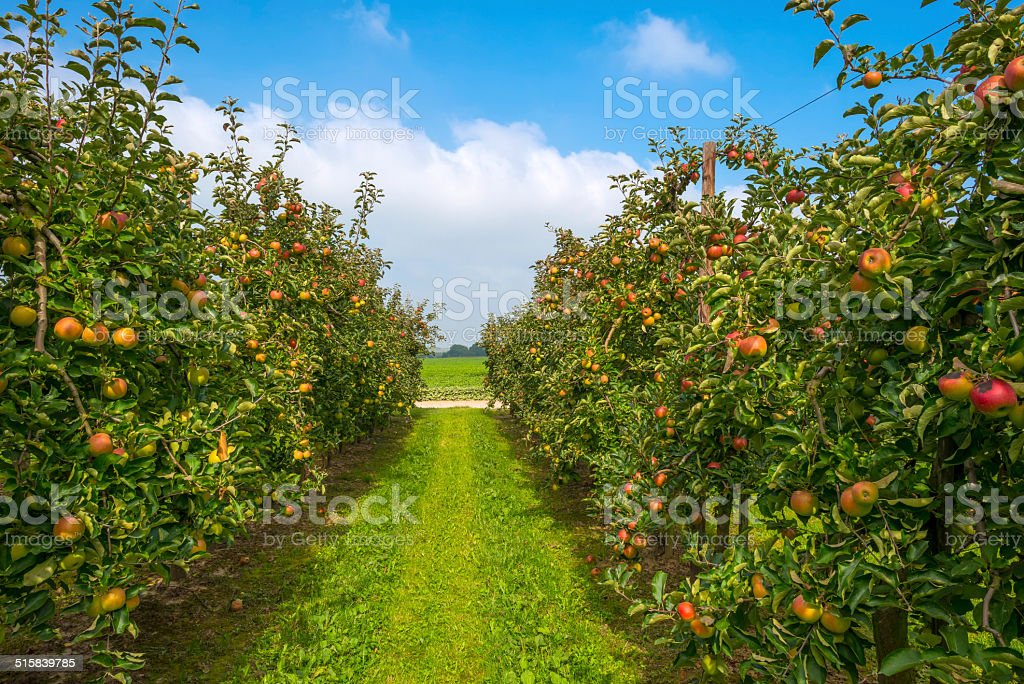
(102, 444)
(873, 263)
(733, 155)
(624, 301)
(659, 249)
(70, 329)
(812, 612)
(264, 183)
(856, 500)
(18, 247)
(110, 600)
(905, 186)
(588, 364)
(195, 294)
(649, 316)
(717, 250)
(674, 281)
(702, 627)
(70, 528)
(632, 543)
(990, 396)
(1012, 80)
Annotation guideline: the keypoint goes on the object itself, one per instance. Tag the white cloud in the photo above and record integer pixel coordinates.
(373, 23)
(475, 211)
(663, 46)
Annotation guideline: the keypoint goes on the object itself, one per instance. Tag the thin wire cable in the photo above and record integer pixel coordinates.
(808, 104)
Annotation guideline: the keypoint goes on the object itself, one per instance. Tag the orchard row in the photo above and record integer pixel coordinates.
(675, 355)
(164, 366)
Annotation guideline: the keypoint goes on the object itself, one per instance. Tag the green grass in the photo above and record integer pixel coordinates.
(487, 586)
(453, 379)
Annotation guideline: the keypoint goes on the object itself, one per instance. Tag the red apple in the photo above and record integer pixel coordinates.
(1013, 77)
(984, 96)
(753, 347)
(795, 196)
(806, 611)
(858, 283)
(68, 528)
(803, 502)
(874, 262)
(905, 192)
(100, 444)
(993, 397)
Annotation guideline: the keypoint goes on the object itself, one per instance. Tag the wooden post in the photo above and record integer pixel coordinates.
(707, 191)
(707, 174)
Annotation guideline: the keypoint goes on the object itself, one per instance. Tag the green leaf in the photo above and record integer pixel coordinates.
(900, 660)
(822, 50)
(40, 573)
(147, 22)
(658, 586)
(852, 20)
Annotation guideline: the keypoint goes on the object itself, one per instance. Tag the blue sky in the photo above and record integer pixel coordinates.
(510, 128)
(535, 61)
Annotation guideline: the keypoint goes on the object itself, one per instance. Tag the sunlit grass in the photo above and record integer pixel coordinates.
(485, 585)
(460, 378)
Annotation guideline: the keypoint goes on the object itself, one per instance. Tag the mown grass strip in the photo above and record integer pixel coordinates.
(333, 630)
(486, 587)
(542, 624)
(436, 630)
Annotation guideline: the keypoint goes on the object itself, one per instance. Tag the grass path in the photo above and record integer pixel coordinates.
(442, 587)
(481, 586)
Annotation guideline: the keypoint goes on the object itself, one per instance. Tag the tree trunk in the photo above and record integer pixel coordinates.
(890, 627)
(942, 474)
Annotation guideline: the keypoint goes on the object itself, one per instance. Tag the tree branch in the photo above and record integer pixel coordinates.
(615, 326)
(986, 606)
(1007, 187)
(42, 321)
(77, 398)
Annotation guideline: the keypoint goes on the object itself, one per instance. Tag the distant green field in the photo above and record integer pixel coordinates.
(454, 378)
